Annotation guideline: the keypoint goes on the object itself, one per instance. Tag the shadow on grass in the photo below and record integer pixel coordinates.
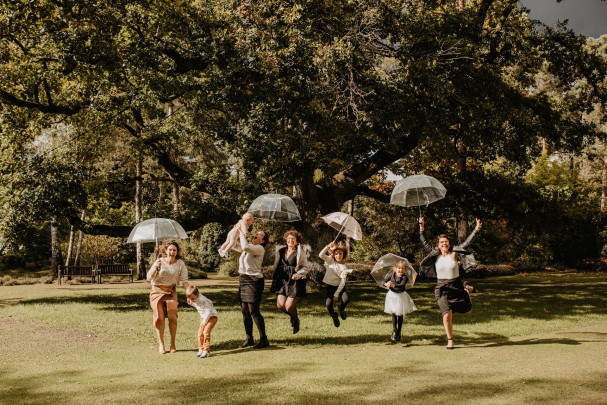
(500, 298)
(409, 383)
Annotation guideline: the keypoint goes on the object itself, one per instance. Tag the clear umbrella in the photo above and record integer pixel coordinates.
(275, 207)
(344, 223)
(417, 190)
(385, 266)
(155, 230)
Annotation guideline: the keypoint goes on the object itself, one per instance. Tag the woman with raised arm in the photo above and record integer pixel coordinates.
(443, 263)
(165, 274)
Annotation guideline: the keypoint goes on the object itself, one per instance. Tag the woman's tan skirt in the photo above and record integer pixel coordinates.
(160, 294)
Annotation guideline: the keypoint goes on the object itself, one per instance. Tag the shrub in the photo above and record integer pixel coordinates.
(13, 261)
(210, 240)
(229, 267)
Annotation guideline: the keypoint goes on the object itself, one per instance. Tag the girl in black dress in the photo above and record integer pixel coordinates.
(398, 302)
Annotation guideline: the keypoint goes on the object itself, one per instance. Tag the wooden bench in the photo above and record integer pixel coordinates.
(114, 270)
(76, 271)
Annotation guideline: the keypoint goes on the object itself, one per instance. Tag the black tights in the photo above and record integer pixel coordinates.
(344, 302)
(250, 313)
(397, 322)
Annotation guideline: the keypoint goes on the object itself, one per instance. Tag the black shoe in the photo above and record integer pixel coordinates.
(292, 322)
(342, 313)
(247, 343)
(393, 336)
(398, 336)
(335, 320)
(263, 342)
(295, 324)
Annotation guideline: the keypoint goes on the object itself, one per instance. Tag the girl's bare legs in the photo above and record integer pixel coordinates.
(448, 324)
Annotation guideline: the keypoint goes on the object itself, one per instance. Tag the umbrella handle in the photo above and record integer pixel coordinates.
(338, 233)
(342, 228)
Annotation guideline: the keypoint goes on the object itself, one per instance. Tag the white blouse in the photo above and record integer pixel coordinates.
(169, 274)
(446, 268)
(335, 273)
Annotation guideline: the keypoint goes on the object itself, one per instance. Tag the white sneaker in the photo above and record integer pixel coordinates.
(222, 253)
(204, 354)
(200, 352)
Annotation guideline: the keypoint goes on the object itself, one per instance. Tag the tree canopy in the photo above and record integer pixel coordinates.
(223, 100)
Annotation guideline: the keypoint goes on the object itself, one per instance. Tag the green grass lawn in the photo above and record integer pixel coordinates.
(539, 339)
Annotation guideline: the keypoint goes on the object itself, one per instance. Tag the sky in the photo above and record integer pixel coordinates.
(586, 17)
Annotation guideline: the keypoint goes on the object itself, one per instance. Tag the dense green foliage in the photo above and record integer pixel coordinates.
(220, 101)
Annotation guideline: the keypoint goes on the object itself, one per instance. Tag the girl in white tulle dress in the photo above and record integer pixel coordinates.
(398, 302)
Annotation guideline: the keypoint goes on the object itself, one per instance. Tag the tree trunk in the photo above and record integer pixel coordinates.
(70, 246)
(351, 213)
(175, 201)
(462, 223)
(138, 209)
(604, 185)
(79, 246)
(57, 260)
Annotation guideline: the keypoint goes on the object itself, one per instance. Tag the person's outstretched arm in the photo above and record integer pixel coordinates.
(427, 246)
(468, 240)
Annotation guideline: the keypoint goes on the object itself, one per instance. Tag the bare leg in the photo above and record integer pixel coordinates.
(448, 324)
(159, 326)
(172, 312)
(281, 303)
(291, 305)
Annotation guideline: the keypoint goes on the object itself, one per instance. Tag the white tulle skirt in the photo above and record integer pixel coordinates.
(399, 303)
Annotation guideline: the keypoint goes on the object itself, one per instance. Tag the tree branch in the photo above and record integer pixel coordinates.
(51, 109)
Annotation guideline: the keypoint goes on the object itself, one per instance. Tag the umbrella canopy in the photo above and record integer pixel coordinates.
(156, 229)
(275, 207)
(344, 223)
(385, 266)
(417, 190)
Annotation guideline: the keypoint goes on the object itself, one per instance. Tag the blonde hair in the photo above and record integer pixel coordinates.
(191, 291)
(399, 262)
(248, 215)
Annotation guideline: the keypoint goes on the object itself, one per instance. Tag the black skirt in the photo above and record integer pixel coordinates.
(250, 289)
(290, 288)
(452, 296)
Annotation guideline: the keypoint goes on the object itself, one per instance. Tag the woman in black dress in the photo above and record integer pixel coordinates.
(288, 282)
(443, 263)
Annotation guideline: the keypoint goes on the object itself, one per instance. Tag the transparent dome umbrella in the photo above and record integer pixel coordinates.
(385, 266)
(417, 190)
(344, 223)
(275, 207)
(155, 230)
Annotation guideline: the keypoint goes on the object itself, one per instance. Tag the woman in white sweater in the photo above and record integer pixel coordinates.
(336, 272)
(250, 287)
(165, 274)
